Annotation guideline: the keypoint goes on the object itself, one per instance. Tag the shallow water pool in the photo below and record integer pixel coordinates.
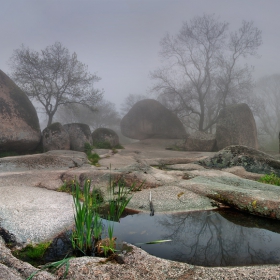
(208, 238)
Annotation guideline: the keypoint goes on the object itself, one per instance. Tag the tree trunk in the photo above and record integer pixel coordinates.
(50, 119)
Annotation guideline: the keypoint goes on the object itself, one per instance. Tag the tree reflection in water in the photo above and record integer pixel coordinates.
(205, 237)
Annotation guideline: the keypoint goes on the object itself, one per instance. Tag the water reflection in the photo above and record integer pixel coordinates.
(206, 238)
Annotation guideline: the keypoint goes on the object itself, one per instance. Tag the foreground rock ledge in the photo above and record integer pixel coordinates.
(137, 265)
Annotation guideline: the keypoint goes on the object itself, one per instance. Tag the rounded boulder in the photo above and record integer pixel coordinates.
(55, 137)
(19, 123)
(105, 135)
(150, 119)
(79, 134)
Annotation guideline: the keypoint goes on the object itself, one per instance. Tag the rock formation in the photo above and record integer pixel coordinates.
(55, 137)
(19, 124)
(236, 126)
(200, 141)
(150, 119)
(103, 135)
(79, 134)
(251, 159)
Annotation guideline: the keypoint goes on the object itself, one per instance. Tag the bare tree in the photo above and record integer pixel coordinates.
(130, 100)
(54, 77)
(203, 71)
(267, 91)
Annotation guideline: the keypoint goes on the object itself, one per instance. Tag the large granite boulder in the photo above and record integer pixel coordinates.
(19, 124)
(55, 137)
(236, 126)
(150, 119)
(200, 141)
(105, 135)
(79, 134)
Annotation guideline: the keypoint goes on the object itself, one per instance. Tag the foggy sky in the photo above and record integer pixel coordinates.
(119, 39)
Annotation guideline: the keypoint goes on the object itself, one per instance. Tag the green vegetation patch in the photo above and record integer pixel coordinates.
(70, 187)
(32, 253)
(106, 145)
(270, 179)
(92, 157)
(102, 145)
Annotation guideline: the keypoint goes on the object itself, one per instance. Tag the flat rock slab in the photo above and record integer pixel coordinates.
(169, 199)
(34, 214)
(245, 195)
(51, 160)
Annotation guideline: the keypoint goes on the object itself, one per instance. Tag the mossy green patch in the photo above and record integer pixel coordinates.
(32, 253)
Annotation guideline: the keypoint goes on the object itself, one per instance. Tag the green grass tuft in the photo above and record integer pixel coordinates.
(92, 157)
(270, 179)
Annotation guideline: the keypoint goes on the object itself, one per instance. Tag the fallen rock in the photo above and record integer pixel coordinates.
(236, 126)
(19, 124)
(150, 119)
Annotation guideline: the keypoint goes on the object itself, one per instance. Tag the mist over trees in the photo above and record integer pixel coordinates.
(106, 115)
(130, 100)
(204, 69)
(54, 77)
(267, 93)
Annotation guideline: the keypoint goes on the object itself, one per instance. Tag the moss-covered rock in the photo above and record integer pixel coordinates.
(252, 160)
